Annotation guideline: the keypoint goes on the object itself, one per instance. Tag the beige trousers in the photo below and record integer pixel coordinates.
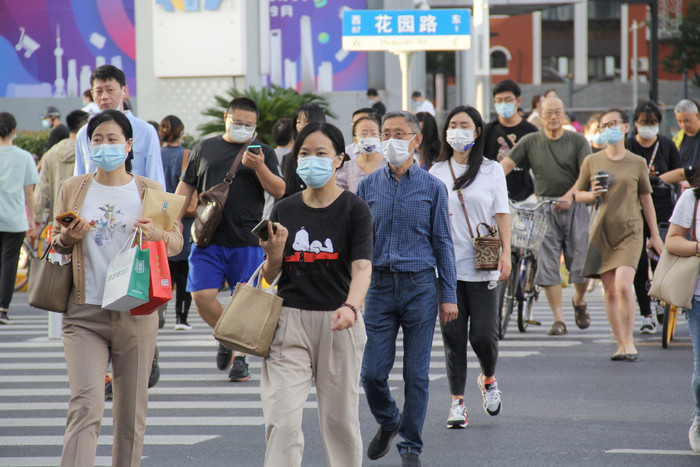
(305, 349)
(90, 336)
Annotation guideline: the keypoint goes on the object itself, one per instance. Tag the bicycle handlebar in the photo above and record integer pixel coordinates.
(536, 206)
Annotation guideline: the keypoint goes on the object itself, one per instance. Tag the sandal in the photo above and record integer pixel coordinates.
(558, 329)
(583, 319)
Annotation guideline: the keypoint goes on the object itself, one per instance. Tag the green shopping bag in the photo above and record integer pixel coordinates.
(128, 278)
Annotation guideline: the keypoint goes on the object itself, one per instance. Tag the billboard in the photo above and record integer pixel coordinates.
(306, 50)
(49, 48)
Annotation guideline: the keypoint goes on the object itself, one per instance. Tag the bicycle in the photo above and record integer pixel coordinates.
(528, 226)
(31, 248)
(670, 318)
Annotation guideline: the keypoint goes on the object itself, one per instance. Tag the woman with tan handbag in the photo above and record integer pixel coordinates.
(321, 240)
(477, 195)
(617, 181)
(108, 205)
(684, 215)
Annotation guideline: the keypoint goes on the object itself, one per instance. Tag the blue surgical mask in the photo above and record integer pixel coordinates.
(505, 109)
(315, 171)
(597, 139)
(46, 123)
(108, 157)
(612, 135)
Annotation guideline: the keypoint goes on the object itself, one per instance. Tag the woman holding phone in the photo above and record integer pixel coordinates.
(322, 247)
(109, 205)
(618, 182)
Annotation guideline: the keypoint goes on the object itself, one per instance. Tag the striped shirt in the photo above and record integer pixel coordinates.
(411, 225)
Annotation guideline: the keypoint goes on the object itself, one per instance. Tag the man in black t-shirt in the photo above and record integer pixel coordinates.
(378, 106)
(234, 252)
(51, 118)
(502, 133)
(688, 139)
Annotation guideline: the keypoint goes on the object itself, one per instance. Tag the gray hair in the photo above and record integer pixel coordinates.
(686, 105)
(411, 119)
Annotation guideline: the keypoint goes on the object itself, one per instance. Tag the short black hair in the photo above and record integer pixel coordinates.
(282, 131)
(313, 113)
(7, 124)
(371, 92)
(363, 110)
(623, 115)
(647, 108)
(416, 94)
(76, 120)
(328, 129)
(118, 118)
(108, 72)
(243, 103)
(507, 85)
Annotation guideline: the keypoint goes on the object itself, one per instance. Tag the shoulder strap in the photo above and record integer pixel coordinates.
(231, 174)
(185, 159)
(461, 198)
(653, 156)
(692, 226)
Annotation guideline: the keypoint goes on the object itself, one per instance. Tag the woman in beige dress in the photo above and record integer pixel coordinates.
(618, 182)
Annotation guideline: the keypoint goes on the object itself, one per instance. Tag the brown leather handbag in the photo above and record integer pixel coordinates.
(487, 248)
(210, 206)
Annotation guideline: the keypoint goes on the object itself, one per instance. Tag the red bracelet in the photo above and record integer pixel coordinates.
(354, 310)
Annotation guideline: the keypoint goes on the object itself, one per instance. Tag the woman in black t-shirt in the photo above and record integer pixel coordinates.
(321, 241)
(662, 156)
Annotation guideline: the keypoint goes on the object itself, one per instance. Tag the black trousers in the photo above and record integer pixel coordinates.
(641, 278)
(183, 299)
(477, 305)
(10, 246)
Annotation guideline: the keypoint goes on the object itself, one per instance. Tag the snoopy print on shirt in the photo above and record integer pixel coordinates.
(306, 251)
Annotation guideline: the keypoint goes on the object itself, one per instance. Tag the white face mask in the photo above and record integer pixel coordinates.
(369, 145)
(396, 151)
(648, 132)
(460, 139)
(240, 133)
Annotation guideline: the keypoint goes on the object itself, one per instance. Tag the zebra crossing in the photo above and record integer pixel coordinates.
(193, 403)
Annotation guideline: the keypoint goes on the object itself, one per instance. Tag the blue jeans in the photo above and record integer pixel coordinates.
(694, 325)
(408, 300)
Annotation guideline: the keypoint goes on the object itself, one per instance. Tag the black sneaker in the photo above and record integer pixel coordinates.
(239, 370)
(155, 371)
(223, 357)
(410, 459)
(381, 443)
(108, 388)
(4, 318)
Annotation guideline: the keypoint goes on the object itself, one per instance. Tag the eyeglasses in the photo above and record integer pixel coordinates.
(507, 100)
(243, 124)
(549, 113)
(611, 124)
(398, 134)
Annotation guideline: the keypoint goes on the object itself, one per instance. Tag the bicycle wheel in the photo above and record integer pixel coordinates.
(669, 328)
(22, 276)
(505, 305)
(525, 309)
(525, 317)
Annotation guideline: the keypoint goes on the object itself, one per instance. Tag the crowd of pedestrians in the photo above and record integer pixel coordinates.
(365, 239)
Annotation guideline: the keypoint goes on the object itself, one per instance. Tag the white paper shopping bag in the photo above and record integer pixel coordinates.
(128, 278)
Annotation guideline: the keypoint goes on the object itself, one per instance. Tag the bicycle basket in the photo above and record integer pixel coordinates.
(527, 229)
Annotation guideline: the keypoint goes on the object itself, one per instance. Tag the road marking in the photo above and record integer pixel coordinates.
(229, 404)
(653, 452)
(44, 461)
(187, 440)
(150, 421)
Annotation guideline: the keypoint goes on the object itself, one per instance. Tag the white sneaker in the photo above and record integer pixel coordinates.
(694, 434)
(648, 325)
(458, 415)
(491, 396)
(182, 327)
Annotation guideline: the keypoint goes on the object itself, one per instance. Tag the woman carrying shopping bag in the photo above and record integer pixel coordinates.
(321, 240)
(477, 188)
(108, 204)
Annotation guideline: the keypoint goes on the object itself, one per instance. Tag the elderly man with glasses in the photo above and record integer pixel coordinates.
(555, 156)
(413, 269)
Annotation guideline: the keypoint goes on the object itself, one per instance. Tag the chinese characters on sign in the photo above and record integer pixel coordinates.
(397, 30)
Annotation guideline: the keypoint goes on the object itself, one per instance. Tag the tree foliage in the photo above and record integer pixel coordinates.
(274, 103)
(685, 55)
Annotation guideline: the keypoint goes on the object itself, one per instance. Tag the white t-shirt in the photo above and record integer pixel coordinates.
(485, 197)
(426, 106)
(111, 212)
(683, 217)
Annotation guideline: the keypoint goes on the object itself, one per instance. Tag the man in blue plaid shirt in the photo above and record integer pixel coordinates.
(412, 241)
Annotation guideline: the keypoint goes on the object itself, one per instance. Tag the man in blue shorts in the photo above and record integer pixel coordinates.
(234, 252)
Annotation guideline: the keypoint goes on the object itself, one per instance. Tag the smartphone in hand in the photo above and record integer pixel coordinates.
(260, 230)
(67, 218)
(254, 148)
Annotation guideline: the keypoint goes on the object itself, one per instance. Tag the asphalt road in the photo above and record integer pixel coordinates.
(564, 402)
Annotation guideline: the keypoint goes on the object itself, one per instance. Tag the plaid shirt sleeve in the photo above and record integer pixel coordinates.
(441, 239)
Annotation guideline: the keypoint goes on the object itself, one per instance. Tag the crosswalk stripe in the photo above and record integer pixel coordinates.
(150, 421)
(100, 461)
(152, 405)
(187, 440)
